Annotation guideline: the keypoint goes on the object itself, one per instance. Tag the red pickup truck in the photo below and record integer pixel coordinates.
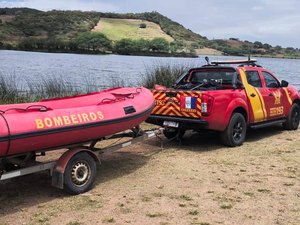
(227, 97)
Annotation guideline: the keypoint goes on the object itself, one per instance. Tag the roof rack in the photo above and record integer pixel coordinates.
(244, 62)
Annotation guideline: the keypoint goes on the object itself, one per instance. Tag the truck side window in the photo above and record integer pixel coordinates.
(271, 82)
(253, 78)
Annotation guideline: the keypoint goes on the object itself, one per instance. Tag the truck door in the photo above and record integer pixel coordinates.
(253, 84)
(274, 96)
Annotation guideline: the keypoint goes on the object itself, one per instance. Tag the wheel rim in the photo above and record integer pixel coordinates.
(80, 173)
(295, 118)
(237, 131)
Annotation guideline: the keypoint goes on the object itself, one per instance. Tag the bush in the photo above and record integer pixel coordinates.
(93, 41)
(143, 25)
(165, 75)
(159, 45)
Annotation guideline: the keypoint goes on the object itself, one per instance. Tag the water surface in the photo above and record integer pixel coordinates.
(105, 70)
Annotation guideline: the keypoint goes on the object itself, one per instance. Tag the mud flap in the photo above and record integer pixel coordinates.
(58, 179)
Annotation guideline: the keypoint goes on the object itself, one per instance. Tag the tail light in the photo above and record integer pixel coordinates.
(206, 104)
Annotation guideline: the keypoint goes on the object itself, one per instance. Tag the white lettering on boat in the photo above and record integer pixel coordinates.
(67, 120)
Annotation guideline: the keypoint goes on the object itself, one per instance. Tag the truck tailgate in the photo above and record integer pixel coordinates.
(177, 103)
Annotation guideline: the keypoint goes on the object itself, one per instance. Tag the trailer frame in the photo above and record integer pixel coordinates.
(60, 167)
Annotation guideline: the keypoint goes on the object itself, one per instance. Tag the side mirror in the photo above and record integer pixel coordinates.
(284, 83)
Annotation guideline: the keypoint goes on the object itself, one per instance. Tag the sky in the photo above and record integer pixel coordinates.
(276, 22)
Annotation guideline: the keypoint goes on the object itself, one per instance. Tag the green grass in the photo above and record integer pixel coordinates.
(117, 29)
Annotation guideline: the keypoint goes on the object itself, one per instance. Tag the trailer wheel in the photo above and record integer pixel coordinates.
(235, 133)
(80, 173)
(292, 122)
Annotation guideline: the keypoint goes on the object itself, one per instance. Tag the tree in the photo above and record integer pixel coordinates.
(159, 45)
(92, 41)
(126, 46)
(142, 45)
(267, 46)
(258, 44)
(143, 25)
(176, 46)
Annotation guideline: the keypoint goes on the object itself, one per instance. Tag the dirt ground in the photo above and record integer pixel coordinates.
(199, 182)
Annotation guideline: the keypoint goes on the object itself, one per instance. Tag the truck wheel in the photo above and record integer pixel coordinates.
(235, 133)
(80, 173)
(171, 133)
(292, 122)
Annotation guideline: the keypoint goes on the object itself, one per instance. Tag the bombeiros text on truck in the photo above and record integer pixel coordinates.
(228, 97)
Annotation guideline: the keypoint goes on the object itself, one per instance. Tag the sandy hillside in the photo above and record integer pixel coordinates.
(200, 182)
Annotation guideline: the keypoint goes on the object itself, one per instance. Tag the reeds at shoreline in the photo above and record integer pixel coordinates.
(14, 90)
(163, 74)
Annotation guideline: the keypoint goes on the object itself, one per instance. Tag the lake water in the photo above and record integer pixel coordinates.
(103, 70)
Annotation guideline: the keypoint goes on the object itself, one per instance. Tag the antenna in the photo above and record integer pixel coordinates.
(207, 60)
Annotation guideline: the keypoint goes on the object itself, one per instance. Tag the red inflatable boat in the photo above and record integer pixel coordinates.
(54, 123)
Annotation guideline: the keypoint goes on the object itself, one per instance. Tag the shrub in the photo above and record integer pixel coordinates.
(165, 75)
(143, 25)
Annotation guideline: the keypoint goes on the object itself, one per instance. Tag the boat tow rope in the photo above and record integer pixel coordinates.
(121, 97)
(8, 132)
(42, 108)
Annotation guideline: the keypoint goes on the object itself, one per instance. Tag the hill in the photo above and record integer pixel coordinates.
(131, 33)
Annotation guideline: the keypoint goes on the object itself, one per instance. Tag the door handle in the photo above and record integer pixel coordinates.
(253, 95)
(271, 94)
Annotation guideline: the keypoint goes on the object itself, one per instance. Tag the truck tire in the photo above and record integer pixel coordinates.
(80, 173)
(293, 118)
(235, 133)
(171, 133)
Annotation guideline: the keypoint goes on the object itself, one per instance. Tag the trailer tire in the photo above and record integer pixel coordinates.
(80, 173)
(293, 118)
(235, 133)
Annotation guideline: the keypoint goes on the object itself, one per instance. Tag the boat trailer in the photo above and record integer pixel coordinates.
(75, 170)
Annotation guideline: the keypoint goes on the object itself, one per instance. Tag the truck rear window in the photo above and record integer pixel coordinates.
(221, 76)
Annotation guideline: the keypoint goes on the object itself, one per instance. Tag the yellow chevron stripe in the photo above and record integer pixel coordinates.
(255, 102)
(288, 96)
(161, 110)
(262, 103)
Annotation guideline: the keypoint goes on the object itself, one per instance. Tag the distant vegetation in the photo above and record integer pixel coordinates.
(73, 31)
